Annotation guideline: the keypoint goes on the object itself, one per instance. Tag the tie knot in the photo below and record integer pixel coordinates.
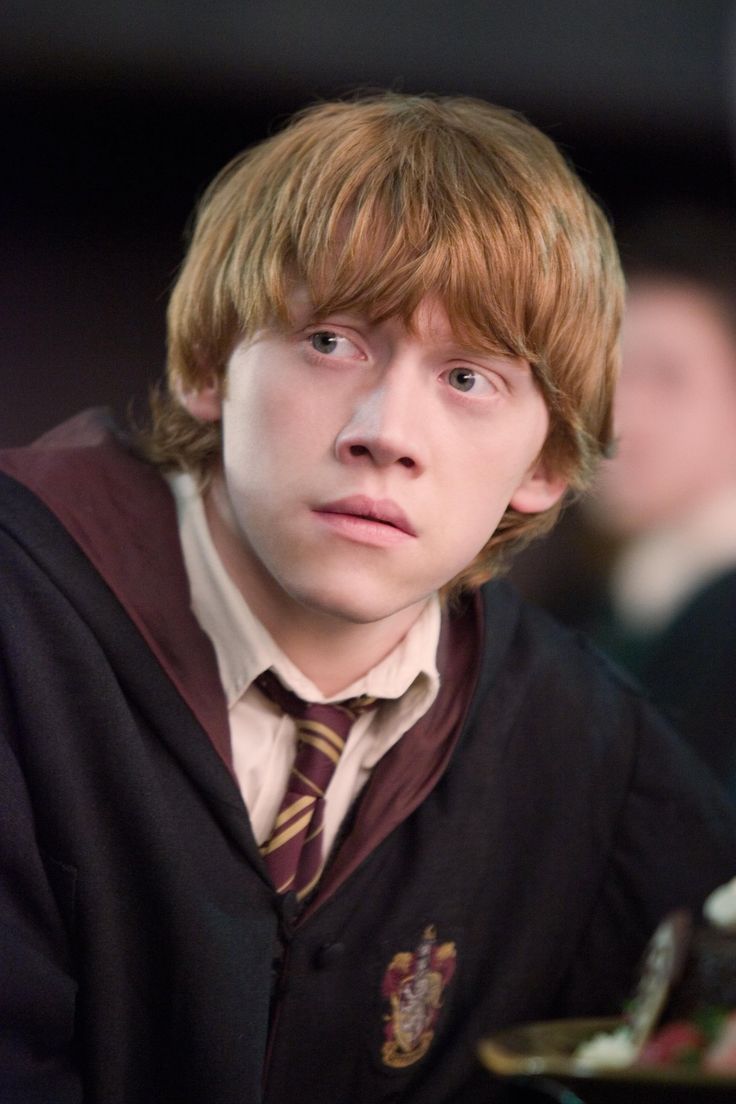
(338, 715)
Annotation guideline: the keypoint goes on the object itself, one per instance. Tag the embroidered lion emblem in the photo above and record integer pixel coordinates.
(413, 985)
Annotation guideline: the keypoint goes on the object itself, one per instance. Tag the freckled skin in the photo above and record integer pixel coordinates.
(341, 407)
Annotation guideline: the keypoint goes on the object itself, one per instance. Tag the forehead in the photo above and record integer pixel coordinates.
(682, 317)
(672, 300)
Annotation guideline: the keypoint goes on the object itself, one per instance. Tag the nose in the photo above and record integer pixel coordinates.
(387, 425)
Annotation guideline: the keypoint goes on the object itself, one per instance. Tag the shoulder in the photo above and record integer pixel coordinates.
(80, 463)
(585, 739)
(82, 479)
(566, 703)
(78, 508)
(708, 616)
(552, 661)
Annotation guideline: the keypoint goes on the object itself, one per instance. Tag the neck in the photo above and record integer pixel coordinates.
(335, 654)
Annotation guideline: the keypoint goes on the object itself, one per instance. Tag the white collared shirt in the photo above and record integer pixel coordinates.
(262, 738)
(659, 572)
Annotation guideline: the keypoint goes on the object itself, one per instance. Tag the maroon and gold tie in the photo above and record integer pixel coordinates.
(293, 852)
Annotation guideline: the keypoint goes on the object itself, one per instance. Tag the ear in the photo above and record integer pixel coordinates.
(539, 489)
(203, 403)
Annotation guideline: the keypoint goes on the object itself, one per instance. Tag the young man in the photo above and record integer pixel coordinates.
(668, 499)
(392, 346)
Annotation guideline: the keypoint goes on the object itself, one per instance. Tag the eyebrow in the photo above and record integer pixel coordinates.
(516, 362)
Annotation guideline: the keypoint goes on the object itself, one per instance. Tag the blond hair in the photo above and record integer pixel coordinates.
(378, 202)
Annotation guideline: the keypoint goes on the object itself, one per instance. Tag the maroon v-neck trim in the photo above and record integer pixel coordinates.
(122, 515)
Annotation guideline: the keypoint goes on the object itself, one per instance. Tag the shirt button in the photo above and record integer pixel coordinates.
(329, 955)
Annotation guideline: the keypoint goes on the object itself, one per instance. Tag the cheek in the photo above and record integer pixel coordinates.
(475, 506)
(475, 499)
(484, 470)
(259, 427)
(694, 428)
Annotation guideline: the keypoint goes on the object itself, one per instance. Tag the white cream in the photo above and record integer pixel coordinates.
(607, 1050)
(720, 908)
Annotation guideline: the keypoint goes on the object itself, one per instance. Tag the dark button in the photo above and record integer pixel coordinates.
(290, 909)
(329, 955)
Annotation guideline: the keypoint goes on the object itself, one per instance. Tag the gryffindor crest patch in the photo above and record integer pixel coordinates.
(414, 985)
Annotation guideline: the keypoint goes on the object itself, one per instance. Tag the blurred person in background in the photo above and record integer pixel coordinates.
(667, 500)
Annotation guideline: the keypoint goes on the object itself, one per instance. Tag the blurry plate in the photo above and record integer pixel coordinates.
(546, 1049)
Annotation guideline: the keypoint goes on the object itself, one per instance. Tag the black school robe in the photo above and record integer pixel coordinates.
(688, 668)
(507, 860)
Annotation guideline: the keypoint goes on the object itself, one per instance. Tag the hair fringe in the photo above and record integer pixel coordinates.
(377, 202)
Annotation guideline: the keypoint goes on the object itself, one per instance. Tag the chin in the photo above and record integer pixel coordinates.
(357, 605)
(632, 523)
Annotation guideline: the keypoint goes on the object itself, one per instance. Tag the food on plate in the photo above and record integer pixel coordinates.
(683, 1013)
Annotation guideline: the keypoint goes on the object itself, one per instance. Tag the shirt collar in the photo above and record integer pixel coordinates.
(244, 648)
(660, 571)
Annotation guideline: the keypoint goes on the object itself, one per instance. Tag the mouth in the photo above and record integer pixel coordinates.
(382, 511)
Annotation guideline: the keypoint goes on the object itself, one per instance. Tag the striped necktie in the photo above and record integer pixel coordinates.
(293, 852)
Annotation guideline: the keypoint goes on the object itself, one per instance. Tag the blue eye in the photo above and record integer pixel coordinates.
(329, 343)
(323, 341)
(462, 379)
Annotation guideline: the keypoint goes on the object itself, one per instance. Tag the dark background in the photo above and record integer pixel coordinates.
(115, 118)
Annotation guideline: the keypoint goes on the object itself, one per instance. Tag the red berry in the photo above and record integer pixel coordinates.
(672, 1044)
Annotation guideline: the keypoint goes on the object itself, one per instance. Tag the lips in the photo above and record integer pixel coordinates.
(382, 510)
